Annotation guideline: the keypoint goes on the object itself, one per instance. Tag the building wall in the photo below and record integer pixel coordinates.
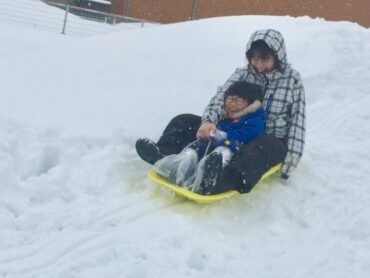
(168, 11)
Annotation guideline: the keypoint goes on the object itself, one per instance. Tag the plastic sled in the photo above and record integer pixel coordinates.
(199, 198)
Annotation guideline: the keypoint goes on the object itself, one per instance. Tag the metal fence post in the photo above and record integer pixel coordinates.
(65, 20)
(194, 9)
(127, 8)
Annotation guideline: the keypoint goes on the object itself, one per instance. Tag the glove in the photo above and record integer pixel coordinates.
(219, 136)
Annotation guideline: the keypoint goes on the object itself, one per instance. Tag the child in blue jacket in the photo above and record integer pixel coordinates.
(200, 163)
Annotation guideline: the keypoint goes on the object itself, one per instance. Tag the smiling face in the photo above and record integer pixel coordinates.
(263, 64)
(261, 57)
(234, 104)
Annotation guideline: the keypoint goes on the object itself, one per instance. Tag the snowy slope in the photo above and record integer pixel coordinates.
(74, 198)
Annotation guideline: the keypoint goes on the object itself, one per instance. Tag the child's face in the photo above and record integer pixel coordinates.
(234, 104)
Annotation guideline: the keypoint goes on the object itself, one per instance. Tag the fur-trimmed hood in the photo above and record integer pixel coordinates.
(249, 109)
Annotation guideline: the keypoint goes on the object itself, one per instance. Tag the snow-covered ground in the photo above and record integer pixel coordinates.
(74, 197)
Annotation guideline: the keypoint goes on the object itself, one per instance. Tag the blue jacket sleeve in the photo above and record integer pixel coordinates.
(251, 129)
(248, 129)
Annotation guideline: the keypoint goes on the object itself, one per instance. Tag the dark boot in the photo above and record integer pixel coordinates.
(148, 150)
(212, 172)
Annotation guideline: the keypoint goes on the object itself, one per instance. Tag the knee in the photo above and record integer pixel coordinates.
(186, 120)
(187, 117)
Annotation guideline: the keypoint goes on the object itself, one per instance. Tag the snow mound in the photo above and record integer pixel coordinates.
(74, 197)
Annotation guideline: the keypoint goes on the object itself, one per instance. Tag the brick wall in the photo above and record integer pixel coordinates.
(167, 11)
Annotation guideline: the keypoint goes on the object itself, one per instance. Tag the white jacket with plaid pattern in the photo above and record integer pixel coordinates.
(284, 99)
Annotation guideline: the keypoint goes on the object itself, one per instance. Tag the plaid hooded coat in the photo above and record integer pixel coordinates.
(284, 99)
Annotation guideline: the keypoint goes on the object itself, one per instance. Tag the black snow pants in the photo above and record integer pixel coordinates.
(246, 167)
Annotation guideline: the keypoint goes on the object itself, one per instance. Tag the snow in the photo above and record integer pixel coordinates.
(101, 2)
(74, 197)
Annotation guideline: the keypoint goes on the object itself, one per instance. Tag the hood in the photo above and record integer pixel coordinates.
(252, 108)
(274, 40)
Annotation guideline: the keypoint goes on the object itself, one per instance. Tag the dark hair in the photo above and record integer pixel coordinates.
(245, 90)
(260, 49)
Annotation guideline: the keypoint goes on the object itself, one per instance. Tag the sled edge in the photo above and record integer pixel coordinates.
(199, 198)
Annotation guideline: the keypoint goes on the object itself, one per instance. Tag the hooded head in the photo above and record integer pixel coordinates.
(245, 90)
(242, 98)
(275, 42)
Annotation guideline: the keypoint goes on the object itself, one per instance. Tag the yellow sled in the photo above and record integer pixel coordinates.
(199, 198)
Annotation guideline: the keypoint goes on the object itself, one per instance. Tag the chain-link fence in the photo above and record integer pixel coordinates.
(65, 19)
